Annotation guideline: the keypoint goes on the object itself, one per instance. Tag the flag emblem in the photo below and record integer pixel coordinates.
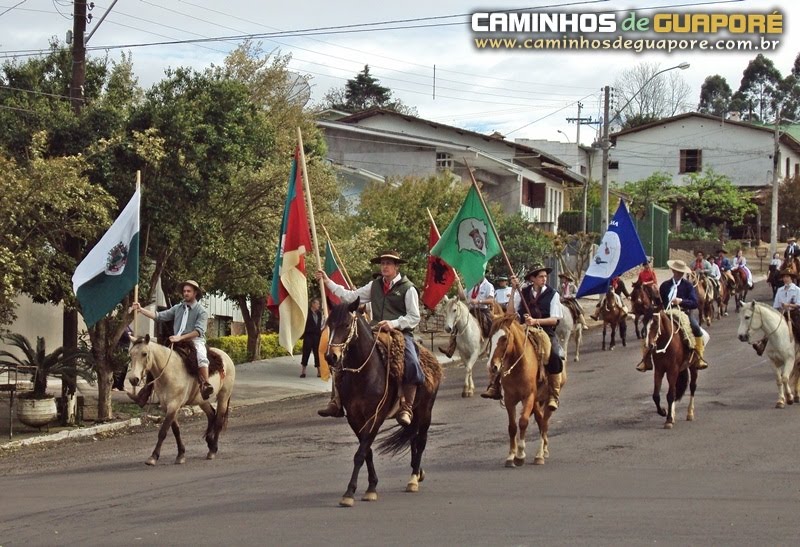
(117, 258)
(472, 235)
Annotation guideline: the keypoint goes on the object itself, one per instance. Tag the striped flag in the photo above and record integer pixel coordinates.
(439, 277)
(334, 272)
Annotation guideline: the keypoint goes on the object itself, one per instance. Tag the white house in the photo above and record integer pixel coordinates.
(378, 144)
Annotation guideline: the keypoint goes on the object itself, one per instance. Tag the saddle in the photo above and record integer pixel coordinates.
(484, 320)
(542, 346)
(393, 344)
(574, 308)
(681, 320)
(186, 350)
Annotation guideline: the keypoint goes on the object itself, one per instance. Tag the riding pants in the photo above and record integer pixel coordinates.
(412, 370)
(556, 362)
(202, 353)
(696, 331)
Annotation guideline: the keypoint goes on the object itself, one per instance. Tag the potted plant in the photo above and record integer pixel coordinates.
(37, 407)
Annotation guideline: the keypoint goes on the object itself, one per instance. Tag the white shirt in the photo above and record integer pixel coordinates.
(739, 261)
(788, 294)
(715, 273)
(502, 295)
(481, 291)
(555, 303)
(408, 321)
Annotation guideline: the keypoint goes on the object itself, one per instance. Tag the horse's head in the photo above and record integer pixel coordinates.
(500, 339)
(342, 329)
(452, 313)
(141, 353)
(653, 331)
(748, 322)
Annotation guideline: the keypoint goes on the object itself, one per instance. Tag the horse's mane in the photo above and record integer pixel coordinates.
(339, 314)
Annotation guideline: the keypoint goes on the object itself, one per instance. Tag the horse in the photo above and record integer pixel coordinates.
(524, 380)
(768, 324)
(460, 322)
(369, 394)
(740, 287)
(792, 264)
(670, 356)
(614, 315)
(774, 279)
(723, 299)
(645, 302)
(176, 387)
(705, 297)
(569, 328)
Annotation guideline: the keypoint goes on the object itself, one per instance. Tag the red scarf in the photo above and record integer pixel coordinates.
(475, 290)
(387, 286)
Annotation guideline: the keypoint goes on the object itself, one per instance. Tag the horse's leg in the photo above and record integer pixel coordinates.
(578, 334)
(542, 415)
(636, 325)
(469, 386)
(211, 429)
(672, 379)
(604, 335)
(658, 375)
(511, 409)
(794, 382)
(162, 433)
(524, 420)
(422, 422)
(613, 336)
(176, 430)
(692, 387)
(623, 330)
(372, 477)
(364, 445)
(779, 379)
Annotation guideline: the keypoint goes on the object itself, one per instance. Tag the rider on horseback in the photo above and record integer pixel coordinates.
(725, 267)
(395, 305)
(787, 300)
(545, 312)
(701, 265)
(189, 321)
(619, 288)
(502, 293)
(480, 299)
(679, 292)
(568, 290)
(792, 249)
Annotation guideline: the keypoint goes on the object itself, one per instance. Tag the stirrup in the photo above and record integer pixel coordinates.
(331, 411)
(492, 393)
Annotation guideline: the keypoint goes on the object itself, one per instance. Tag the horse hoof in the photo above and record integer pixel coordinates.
(370, 496)
(412, 487)
(510, 463)
(211, 455)
(151, 461)
(421, 475)
(346, 501)
(538, 461)
(519, 462)
(690, 417)
(668, 425)
(790, 400)
(464, 393)
(180, 460)
(779, 404)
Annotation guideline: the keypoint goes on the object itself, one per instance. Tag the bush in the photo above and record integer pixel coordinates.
(236, 347)
(690, 231)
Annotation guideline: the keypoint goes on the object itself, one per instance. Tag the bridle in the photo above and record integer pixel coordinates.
(506, 372)
(149, 363)
(761, 313)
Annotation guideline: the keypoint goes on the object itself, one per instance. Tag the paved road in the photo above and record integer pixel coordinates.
(615, 476)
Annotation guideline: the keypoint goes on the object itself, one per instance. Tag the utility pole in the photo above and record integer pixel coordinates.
(776, 165)
(70, 318)
(605, 145)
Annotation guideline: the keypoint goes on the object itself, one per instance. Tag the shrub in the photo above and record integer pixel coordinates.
(236, 346)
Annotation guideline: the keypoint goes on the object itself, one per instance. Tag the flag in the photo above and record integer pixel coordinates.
(333, 271)
(289, 295)
(619, 251)
(439, 277)
(469, 242)
(111, 269)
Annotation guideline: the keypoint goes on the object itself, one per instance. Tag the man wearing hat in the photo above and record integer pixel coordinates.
(478, 299)
(395, 305)
(502, 294)
(545, 312)
(725, 267)
(787, 300)
(701, 265)
(619, 289)
(567, 291)
(678, 292)
(792, 249)
(189, 321)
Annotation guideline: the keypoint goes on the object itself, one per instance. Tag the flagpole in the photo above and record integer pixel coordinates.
(337, 257)
(458, 277)
(494, 229)
(136, 287)
(307, 187)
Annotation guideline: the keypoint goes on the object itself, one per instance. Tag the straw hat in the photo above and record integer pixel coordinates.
(789, 273)
(678, 266)
(567, 276)
(193, 284)
(391, 255)
(536, 269)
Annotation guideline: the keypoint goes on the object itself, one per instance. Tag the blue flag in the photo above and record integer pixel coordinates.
(619, 251)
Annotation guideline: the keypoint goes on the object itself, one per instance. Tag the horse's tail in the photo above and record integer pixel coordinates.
(400, 440)
(683, 382)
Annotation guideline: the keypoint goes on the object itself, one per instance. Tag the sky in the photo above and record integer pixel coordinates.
(521, 93)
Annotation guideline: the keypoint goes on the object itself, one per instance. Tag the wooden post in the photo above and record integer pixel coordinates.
(136, 287)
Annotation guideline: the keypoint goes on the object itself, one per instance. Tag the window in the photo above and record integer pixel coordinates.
(444, 161)
(533, 195)
(613, 165)
(797, 169)
(788, 168)
(691, 161)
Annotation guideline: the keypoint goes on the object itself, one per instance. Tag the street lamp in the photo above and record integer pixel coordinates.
(565, 135)
(605, 144)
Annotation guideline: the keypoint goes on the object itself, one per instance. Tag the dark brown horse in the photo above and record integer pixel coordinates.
(370, 394)
(613, 314)
(669, 356)
(740, 287)
(705, 297)
(645, 301)
(774, 279)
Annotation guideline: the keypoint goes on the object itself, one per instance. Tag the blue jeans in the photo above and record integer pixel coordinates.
(695, 325)
(413, 370)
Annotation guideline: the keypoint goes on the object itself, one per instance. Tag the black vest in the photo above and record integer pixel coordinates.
(540, 308)
(387, 307)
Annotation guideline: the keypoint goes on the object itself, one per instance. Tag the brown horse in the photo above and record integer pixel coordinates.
(646, 301)
(723, 299)
(670, 356)
(705, 297)
(370, 394)
(791, 264)
(514, 355)
(613, 314)
(740, 287)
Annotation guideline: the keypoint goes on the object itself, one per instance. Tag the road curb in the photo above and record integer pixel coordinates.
(72, 434)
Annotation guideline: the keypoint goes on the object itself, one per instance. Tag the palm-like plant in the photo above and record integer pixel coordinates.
(74, 363)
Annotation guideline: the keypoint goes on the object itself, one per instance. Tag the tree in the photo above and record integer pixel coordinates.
(654, 189)
(760, 88)
(362, 92)
(663, 96)
(715, 96)
(711, 199)
(525, 244)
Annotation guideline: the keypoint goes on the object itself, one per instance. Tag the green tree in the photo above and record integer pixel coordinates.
(760, 87)
(641, 193)
(715, 96)
(362, 92)
(711, 200)
(525, 244)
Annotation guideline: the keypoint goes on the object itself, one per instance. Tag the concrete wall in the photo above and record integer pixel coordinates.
(44, 320)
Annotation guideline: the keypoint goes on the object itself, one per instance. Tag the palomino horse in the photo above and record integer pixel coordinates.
(513, 355)
(740, 287)
(645, 301)
(569, 328)
(670, 356)
(176, 387)
(460, 322)
(705, 297)
(760, 322)
(614, 315)
(369, 395)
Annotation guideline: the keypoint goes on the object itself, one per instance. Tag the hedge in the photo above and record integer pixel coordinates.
(236, 347)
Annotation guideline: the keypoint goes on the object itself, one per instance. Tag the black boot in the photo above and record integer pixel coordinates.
(450, 349)
(495, 390)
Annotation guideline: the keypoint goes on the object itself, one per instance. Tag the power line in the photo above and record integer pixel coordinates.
(14, 6)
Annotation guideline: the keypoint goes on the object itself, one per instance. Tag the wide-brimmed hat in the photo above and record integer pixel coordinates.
(391, 255)
(788, 272)
(678, 266)
(193, 284)
(566, 276)
(500, 278)
(791, 239)
(536, 269)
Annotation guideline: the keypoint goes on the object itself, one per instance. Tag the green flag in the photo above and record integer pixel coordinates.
(469, 241)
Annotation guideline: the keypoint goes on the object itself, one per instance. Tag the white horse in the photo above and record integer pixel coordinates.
(175, 387)
(566, 330)
(758, 322)
(460, 322)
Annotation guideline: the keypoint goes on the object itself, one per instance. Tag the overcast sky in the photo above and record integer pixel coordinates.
(521, 93)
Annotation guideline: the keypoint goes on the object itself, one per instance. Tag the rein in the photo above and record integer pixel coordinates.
(766, 336)
(160, 374)
(521, 353)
